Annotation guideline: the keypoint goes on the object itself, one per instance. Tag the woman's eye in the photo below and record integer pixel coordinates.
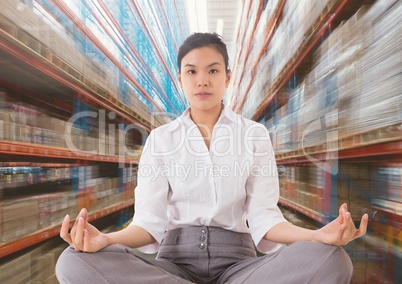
(213, 71)
(191, 72)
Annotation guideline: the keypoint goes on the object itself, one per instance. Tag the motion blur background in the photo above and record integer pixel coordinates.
(82, 83)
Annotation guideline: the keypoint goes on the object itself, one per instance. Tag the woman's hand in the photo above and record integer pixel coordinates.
(342, 230)
(83, 236)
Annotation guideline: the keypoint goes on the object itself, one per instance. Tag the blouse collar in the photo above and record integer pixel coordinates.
(227, 115)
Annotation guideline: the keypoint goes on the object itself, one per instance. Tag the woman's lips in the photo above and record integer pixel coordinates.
(203, 95)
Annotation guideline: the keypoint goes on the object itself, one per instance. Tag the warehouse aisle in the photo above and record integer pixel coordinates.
(83, 82)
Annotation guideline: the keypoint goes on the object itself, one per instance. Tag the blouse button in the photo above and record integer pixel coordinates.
(202, 245)
(203, 231)
(202, 238)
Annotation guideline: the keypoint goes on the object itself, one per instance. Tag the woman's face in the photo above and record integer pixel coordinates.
(203, 78)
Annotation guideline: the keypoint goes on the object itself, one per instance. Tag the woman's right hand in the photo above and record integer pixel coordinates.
(83, 236)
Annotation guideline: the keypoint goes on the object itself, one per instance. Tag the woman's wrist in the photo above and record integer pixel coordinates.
(112, 238)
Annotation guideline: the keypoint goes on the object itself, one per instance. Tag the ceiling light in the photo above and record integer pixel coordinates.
(197, 15)
(219, 27)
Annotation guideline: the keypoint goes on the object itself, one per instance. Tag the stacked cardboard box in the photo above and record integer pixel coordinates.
(310, 187)
(339, 98)
(23, 216)
(51, 41)
(22, 123)
(295, 26)
(36, 266)
(18, 217)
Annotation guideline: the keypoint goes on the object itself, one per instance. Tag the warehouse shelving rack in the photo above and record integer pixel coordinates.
(270, 31)
(45, 234)
(39, 75)
(351, 147)
(320, 28)
(61, 6)
(382, 146)
(11, 150)
(61, 72)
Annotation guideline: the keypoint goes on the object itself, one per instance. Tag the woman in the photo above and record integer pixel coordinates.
(206, 197)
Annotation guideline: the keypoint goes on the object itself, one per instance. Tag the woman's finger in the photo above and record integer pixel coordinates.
(86, 241)
(363, 227)
(79, 234)
(342, 211)
(350, 228)
(74, 228)
(84, 214)
(340, 234)
(64, 230)
(72, 233)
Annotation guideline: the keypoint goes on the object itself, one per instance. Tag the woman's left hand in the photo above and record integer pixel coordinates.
(342, 230)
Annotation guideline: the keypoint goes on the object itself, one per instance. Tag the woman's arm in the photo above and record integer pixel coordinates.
(339, 232)
(132, 236)
(86, 237)
(287, 233)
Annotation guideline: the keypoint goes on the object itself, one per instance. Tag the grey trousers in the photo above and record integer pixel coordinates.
(207, 255)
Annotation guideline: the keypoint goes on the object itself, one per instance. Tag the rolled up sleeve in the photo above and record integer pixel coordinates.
(262, 188)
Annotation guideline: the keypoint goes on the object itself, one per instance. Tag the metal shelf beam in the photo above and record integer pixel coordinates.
(39, 236)
(45, 151)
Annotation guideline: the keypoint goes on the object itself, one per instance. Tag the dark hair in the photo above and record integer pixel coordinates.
(198, 40)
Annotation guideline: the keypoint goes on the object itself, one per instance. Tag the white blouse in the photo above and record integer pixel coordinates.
(182, 183)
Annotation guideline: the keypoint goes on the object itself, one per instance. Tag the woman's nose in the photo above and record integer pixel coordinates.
(202, 81)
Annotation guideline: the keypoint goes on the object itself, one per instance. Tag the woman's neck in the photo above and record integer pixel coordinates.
(205, 121)
(206, 118)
